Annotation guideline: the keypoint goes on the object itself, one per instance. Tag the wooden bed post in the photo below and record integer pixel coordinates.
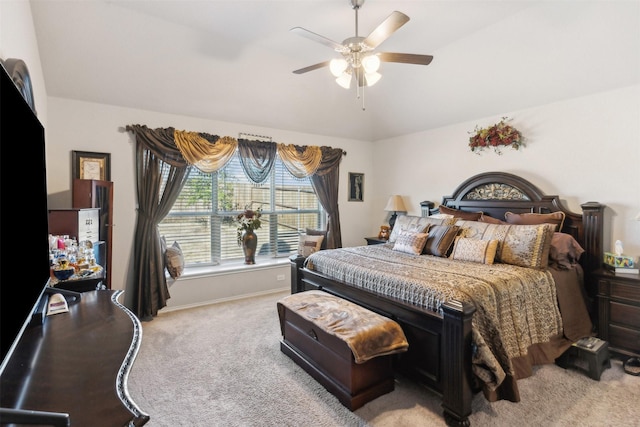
(456, 362)
(592, 223)
(296, 279)
(592, 228)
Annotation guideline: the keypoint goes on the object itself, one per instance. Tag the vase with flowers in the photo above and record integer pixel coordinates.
(248, 221)
(494, 137)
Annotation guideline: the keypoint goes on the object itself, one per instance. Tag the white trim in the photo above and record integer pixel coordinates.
(221, 300)
(229, 268)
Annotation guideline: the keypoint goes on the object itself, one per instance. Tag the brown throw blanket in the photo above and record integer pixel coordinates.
(367, 334)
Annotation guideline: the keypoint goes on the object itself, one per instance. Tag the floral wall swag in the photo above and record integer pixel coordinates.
(496, 136)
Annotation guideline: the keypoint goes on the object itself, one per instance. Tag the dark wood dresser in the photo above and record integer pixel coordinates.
(77, 363)
(619, 311)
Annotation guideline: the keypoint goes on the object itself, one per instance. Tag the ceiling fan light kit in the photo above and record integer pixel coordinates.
(358, 60)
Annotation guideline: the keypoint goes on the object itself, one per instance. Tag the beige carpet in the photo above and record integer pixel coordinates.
(221, 365)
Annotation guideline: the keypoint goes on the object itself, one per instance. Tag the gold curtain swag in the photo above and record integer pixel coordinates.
(301, 162)
(203, 154)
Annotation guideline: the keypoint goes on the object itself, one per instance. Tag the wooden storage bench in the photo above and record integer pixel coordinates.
(345, 347)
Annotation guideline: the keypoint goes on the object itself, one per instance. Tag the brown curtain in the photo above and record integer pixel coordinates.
(155, 151)
(325, 184)
(257, 158)
(178, 151)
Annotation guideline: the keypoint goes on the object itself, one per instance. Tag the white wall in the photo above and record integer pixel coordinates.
(583, 149)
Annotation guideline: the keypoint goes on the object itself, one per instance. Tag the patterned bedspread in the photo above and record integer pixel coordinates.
(516, 306)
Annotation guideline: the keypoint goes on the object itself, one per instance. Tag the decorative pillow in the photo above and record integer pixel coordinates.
(491, 220)
(482, 251)
(309, 244)
(323, 233)
(527, 245)
(173, 259)
(439, 240)
(441, 215)
(556, 218)
(523, 245)
(473, 229)
(468, 216)
(565, 251)
(410, 243)
(416, 224)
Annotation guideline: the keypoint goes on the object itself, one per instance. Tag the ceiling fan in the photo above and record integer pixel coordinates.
(359, 61)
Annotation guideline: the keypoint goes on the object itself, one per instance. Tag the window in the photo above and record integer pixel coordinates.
(202, 219)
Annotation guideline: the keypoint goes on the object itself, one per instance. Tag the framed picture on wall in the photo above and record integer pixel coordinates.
(356, 187)
(89, 165)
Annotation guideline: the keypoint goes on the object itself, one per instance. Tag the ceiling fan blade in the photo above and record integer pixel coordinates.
(405, 58)
(385, 29)
(318, 38)
(312, 67)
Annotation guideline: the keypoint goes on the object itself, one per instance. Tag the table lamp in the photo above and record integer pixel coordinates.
(395, 205)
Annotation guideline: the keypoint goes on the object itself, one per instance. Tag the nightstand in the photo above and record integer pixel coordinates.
(619, 311)
(375, 241)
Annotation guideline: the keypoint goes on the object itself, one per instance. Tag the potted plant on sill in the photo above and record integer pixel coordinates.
(248, 221)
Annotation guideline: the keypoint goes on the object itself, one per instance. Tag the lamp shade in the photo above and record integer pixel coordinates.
(371, 63)
(344, 80)
(337, 66)
(372, 78)
(395, 204)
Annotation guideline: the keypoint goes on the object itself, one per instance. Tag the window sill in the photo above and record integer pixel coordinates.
(233, 267)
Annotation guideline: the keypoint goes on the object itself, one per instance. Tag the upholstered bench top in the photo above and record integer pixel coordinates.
(367, 334)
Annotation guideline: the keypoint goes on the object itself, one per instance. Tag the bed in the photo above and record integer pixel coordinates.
(455, 311)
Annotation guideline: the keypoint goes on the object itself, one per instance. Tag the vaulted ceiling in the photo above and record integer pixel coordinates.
(233, 60)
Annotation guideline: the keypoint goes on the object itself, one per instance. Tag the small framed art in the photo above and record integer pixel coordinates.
(356, 187)
(89, 165)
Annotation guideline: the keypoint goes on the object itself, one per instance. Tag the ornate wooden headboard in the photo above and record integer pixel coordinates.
(495, 193)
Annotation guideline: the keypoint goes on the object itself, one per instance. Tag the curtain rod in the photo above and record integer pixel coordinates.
(124, 129)
(269, 138)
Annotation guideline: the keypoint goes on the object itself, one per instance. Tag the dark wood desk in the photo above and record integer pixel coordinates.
(78, 363)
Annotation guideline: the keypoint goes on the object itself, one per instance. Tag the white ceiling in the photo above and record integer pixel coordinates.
(233, 60)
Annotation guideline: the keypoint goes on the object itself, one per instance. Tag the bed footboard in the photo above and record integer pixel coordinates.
(440, 348)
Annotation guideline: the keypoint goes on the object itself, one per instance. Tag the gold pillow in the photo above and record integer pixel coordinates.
(482, 251)
(523, 245)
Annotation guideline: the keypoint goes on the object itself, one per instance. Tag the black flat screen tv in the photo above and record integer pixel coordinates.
(24, 247)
